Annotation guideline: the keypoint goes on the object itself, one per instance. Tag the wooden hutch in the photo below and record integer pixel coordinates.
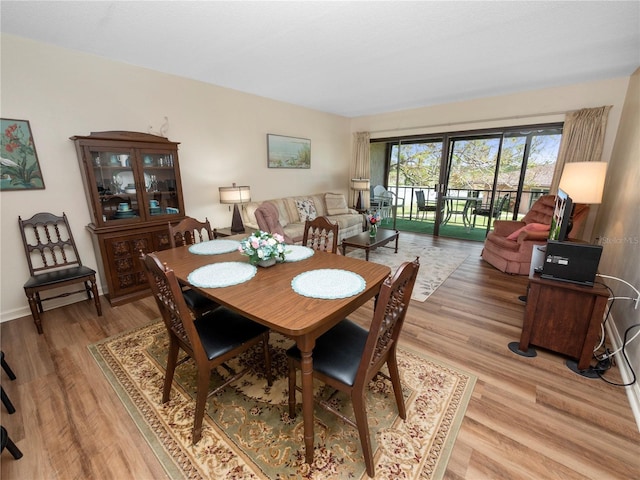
(132, 183)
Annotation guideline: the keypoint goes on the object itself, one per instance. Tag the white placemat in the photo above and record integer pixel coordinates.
(328, 283)
(214, 247)
(295, 253)
(223, 274)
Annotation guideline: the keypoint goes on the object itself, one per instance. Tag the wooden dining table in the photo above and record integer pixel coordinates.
(269, 299)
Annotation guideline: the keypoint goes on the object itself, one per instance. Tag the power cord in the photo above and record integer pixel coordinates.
(609, 355)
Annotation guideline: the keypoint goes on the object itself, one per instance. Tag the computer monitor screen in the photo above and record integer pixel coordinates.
(561, 217)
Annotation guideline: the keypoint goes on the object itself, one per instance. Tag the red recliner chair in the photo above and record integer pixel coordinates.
(508, 247)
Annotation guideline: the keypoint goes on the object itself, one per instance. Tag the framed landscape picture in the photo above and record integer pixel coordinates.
(19, 167)
(288, 152)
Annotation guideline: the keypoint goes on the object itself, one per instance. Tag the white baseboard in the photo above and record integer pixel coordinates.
(633, 391)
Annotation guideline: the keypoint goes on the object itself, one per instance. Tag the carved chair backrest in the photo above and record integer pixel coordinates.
(48, 243)
(189, 231)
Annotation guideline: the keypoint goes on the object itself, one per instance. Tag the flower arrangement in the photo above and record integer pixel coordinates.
(263, 246)
(374, 219)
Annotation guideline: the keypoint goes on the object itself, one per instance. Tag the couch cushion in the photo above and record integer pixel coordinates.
(306, 209)
(336, 203)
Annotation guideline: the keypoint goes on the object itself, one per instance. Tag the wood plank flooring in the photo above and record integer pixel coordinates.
(529, 418)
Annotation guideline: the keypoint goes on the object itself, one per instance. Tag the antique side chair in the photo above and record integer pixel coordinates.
(348, 357)
(210, 340)
(53, 261)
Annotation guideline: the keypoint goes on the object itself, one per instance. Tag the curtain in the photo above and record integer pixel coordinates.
(582, 139)
(361, 163)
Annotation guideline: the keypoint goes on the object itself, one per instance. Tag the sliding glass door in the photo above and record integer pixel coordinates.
(458, 184)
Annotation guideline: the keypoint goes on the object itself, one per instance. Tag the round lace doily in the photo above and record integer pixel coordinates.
(328, 283)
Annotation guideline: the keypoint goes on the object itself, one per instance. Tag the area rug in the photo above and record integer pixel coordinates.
(436, 263)
(248, 434)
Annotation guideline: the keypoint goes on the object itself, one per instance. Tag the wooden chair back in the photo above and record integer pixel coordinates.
(48, 242)
(388, 317)
(174, 310)
(321, 234)
(189, 231)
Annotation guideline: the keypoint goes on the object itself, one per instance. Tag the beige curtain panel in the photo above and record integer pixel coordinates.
(361, 163)
(582, 139)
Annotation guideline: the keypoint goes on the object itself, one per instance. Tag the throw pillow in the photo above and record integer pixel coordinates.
(306, 210)
(531, 227)
(336, 204)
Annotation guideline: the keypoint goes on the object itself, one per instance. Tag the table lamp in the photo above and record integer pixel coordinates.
(583, 182)
(235, 196)
(360, 185)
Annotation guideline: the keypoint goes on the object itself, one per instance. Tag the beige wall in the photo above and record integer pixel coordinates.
(618, 227)
(527, 108)
(222, 134)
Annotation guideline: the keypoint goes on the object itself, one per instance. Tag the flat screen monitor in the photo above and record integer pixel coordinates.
(561, 217)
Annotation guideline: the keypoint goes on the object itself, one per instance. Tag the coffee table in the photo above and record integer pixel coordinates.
(367, 242)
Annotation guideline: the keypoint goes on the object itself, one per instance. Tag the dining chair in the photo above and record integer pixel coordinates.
(487, 211)
(348, 357)
(321, 234)
(53, 261)
(423, 205)
(5, 441)
(12, 376)
(188, 232)
(210, 340)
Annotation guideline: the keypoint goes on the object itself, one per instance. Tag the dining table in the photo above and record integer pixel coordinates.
(270, 299)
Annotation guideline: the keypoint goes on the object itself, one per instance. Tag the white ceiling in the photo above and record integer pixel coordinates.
(350, 58)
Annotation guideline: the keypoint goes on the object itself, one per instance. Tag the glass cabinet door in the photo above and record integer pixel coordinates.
(161, 184)
(115, 181)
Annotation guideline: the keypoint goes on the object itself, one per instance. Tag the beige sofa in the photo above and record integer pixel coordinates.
(290, 214)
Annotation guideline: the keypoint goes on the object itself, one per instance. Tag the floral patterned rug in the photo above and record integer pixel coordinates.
(248, 434)
(436, 263)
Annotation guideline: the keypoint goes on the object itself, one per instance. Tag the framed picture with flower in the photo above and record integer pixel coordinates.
(19, 167)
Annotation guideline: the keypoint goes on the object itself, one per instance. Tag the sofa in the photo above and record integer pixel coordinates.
(287, 215)
(509, 246)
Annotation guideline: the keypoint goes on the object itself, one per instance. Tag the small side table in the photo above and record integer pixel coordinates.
(563, 317)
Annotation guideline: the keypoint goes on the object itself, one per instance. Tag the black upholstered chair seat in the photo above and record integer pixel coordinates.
(223, 330)
(198, 302)
(338, 352)
(58, 276)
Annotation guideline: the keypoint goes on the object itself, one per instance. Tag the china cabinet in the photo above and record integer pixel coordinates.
(132, 184)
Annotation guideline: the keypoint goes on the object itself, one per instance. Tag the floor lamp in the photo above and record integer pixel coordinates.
(360, 185)
(235, 196)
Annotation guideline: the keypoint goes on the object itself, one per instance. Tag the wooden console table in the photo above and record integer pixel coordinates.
(564, 318)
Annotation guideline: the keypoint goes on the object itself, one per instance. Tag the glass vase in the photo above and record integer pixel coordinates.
(373, 230)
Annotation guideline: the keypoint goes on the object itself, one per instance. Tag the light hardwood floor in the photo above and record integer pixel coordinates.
(529, 418)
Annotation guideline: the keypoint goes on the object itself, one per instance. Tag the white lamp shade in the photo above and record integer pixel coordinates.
(584, 181)
(361, 184)
(235, 195)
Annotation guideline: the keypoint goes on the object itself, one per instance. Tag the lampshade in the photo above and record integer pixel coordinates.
(584, 181)
(361, 184)
(234, 194)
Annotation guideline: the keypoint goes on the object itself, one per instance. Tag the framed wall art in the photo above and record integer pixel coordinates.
(19, 167)
(288, 152)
